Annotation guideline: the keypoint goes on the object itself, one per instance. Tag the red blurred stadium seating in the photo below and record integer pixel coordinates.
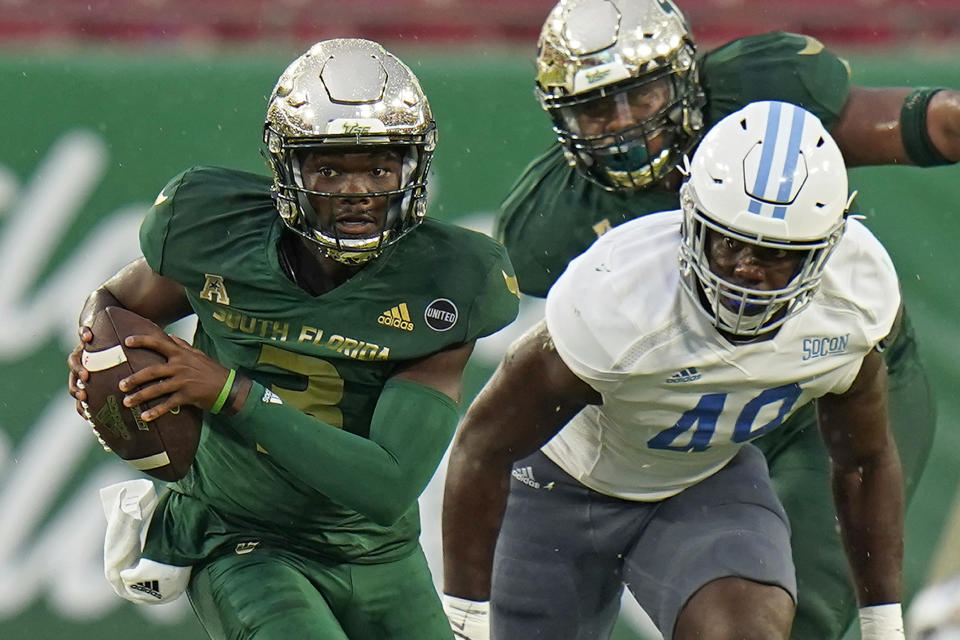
(173, 22)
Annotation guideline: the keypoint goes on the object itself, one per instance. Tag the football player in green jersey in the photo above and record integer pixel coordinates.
(330, 344)
(629, 96)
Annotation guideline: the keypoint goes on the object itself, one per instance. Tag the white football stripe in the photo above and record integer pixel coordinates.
(106, 359)
(151, 462)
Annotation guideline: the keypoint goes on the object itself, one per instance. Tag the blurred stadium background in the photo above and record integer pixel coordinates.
(106, 99)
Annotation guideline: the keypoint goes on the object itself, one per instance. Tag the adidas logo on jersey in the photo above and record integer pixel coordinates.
(397, 317)
(149, 587)
(684, 375)
(525, 475)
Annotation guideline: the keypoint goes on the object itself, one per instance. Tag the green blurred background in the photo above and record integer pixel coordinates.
(89, 138)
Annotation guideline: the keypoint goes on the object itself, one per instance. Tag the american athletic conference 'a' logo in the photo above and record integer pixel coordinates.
(214, 289)
(441, 314)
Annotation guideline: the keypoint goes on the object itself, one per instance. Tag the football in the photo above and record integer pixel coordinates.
(163, 448)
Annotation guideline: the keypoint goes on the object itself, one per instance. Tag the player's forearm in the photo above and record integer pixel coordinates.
(474, 501)
(869, 502)
(380, 477)
(138, 288)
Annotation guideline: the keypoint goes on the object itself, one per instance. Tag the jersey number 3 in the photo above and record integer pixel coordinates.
(322, 386)
(704, 416)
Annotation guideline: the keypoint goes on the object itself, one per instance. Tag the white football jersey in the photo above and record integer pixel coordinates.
(679, 400)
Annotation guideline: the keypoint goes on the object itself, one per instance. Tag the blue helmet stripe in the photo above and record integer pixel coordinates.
(766, 157)
(793, 156)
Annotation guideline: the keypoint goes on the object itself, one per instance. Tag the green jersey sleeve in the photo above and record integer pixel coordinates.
(498, 300)
(410, 431)
(156, 226)
(775, 66)
(465, 281)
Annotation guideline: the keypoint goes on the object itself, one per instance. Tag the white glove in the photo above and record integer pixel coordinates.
(128, 507)
(469, 619)
(881, 622)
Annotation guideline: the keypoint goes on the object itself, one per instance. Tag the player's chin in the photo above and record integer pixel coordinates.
(357, 229)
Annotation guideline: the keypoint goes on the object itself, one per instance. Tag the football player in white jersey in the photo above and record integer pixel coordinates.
(668, 346)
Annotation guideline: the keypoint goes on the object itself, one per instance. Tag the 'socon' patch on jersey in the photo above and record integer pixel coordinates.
(821, 346)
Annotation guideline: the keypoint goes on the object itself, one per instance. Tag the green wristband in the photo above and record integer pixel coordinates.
(222, 398)
(913, 129)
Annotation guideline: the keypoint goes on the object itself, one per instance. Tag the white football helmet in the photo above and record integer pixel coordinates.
(768, 175)
(630, 66)
(349, 94)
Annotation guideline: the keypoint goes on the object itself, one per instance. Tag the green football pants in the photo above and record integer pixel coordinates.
(273, 594)
(800, 470)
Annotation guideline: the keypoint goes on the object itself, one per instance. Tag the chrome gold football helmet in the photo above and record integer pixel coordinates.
(619, 80)
(768, 175)
(349, 95)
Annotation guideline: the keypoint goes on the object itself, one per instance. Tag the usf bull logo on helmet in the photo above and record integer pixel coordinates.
(619, 79)
(349, 95)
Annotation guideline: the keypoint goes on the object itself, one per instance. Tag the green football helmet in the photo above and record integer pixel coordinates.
(349, 95)
(619, 79)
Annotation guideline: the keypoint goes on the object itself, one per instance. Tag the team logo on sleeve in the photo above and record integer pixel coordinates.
(441, 314)
(214, 289)
(602, 227)
(512, 285)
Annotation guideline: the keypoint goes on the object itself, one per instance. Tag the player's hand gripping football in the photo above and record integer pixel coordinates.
(78, 379)
(188, 377)
(78, 374)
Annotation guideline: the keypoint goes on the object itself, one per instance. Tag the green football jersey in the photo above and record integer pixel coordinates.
(553, 214)
(216, 232)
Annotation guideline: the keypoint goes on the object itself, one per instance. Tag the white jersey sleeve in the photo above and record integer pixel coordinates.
(860, 281)
(587, 313)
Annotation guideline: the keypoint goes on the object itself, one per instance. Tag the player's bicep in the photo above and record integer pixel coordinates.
(142, 290)
(441, 371)
(529, 398)
(854, 423)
